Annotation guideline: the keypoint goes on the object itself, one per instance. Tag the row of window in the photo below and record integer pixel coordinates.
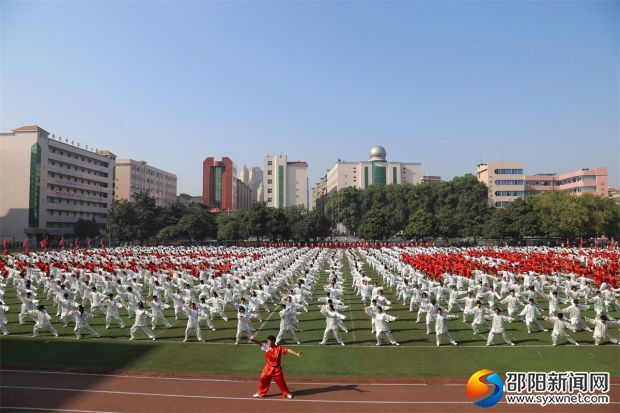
(77, 214)
(62, 164)
(79, 157)
(69, 178)
(508, 182)
(502, 204)
(508, 193)
(509, 171)
(69, 190)
(540, 183)
(60, 201)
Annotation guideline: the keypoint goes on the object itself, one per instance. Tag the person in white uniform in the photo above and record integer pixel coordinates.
(497, 327)
(193, 322)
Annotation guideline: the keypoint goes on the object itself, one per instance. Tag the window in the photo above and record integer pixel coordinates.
(509, 171)
(269, 190)
(269, 172)
(508, 182)
(269, 181)
(508, 193)
(269, 163)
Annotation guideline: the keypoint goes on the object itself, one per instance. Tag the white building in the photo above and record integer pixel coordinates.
(285, 183)
(47, 185)
(377, 171)
(136, 176)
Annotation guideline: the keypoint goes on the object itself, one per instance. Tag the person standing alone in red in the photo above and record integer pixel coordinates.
(273, 369)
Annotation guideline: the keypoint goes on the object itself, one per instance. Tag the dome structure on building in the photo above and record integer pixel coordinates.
(377, 153)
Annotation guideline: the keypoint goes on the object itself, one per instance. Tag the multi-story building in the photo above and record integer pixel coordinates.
(377, 171)
(582, 181)
(254, 179)
(504, 181)
(222, 190)
(189, 200)
(285, 183)
(430, 178)
(319, 194)
(136, 176)
(48, 185)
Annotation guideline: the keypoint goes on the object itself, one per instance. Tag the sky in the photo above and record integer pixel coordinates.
(447, 84)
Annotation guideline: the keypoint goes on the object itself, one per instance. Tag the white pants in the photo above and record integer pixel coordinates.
(529, 325)
(89, 329)
(161, 317)
(474, 325)
(387, 334)
(504, 336)
(555, 336)
(445, 333)
(147, 331)
(283, 331)
(198, 333)
(240, 333)
(334, 332)
(47, 326)
(603, 338)
(109, 318)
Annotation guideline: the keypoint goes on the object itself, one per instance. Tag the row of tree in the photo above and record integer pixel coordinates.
(141, 219)
(447, 209)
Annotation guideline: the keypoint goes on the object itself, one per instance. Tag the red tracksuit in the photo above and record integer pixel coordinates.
(272, 369)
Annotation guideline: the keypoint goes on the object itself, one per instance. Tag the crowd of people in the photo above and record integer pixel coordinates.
(486, 288)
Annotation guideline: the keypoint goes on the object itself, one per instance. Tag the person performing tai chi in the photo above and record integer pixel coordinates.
(273, 367)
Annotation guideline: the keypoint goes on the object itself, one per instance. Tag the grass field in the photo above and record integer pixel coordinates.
(416, 357)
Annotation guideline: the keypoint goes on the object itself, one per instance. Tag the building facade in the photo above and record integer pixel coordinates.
(285, 183)
(222, 190)
(582, 181)
(188, 200)
(48, 185)
(376, 171)
(506, 182)
(254, 179)
(136, 176)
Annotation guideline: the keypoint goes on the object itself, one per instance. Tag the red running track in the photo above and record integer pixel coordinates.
(66, 391)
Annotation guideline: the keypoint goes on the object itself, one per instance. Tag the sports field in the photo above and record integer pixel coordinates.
(417, 357)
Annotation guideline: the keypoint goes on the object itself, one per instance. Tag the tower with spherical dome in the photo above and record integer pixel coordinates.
(377, 153)
(363, 174)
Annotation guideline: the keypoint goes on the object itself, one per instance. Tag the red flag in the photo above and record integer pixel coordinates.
(44, 245)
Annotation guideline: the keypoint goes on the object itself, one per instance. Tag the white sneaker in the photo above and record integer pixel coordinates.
(131, 339)
(256, 396)
(397, 344)
(342, 344)
(512, 344)
(185, 341)
(576, 343)
(289, 396)
(153, 338)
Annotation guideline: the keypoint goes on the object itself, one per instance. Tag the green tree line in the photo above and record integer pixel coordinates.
(447, 209)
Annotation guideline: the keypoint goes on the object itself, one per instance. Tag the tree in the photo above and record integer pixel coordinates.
(146, 213)
(421, 225)
(316, 225)
(374, 225)
(83, 229)
(121, 220)
(229, 227)
(199, 224)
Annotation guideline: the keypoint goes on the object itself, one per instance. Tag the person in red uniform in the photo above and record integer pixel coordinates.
(273, 369)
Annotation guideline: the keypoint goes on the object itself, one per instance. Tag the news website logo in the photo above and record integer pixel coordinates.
(477, 388)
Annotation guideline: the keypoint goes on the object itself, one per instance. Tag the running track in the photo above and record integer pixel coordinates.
(65, 391)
